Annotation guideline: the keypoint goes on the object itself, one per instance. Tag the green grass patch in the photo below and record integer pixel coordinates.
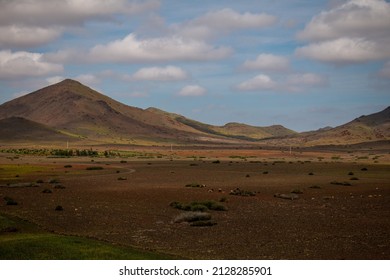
(9, 171)
(30, 243)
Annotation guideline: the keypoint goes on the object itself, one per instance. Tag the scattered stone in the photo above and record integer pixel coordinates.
(290, 196)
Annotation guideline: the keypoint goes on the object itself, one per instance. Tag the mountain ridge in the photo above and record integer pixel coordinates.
(71, 109)
(74, 108)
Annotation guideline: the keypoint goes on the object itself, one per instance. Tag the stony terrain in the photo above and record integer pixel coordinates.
(340, 207)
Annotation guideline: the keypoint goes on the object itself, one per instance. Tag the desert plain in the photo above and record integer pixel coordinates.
(270, 203)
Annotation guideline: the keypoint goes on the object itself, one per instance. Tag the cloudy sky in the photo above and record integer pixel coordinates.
(300, 63)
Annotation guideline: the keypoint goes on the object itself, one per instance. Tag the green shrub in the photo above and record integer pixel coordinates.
(122, 178)
(53, 181)
(192, 217)
(195, 185)
(94, 168)
(216, 161)
(297, 191)
(240, 192)
(46, 191)
(59, 208)
(203, 223)
(199, 206)
(10, 201)
(340, 183)
(68, 166)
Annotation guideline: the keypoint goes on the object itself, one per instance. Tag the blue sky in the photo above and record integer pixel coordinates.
(300, 63)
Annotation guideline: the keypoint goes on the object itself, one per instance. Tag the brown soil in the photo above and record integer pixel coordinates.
(328, 221)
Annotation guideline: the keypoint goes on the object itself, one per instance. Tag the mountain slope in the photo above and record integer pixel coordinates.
(74, 109)
(233, 130)
(371, 128)
(16, 129)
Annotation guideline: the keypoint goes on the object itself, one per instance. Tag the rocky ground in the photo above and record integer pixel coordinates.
(286, 206)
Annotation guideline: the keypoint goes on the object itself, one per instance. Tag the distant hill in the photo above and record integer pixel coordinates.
(72, 109)
(371, 128)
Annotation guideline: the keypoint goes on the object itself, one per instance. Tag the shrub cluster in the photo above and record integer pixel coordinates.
(199, 206)
(240, 192)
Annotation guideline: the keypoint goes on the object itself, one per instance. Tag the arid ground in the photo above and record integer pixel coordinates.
(340, 210)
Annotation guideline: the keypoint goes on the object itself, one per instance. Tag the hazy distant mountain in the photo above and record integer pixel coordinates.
(71, 109)
(371, 128)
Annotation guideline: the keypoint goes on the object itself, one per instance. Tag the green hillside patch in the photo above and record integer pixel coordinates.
(20, 240)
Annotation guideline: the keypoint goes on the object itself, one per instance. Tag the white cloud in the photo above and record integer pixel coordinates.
(23, 36)
(346, 50)
(88, 79)
(54, 79)
(68, 12)
(168, 73)
(131, 49)
(192, 90)
(267, 62)
(292, 83)
(354, 31)
(15, 65)
(260, 82)
(26, 23)
(221, 22)
(354, 18)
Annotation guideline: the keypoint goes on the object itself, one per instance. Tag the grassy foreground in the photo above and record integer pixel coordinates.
(21, 240)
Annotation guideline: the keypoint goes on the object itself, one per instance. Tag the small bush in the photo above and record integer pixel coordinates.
(192, 217)
(354, 179)
(53, 181)
(240, 192)
(94, 168)
(223, 199)
(68, 166)
(123, 161)
(10, 201)
(39, 181)
(350, 173)
(46, 191)
(59, 208)
(122, 178)
(216, 161)
(311, 173)
(340, 183)
(265, 172)
(297, 191)
(195, 185)
(199, 206)
(247, 175)
(315, 187)
(203, 224)
(364, 169)
(59, 187)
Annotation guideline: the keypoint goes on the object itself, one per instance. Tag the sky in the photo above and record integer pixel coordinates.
(300, 63)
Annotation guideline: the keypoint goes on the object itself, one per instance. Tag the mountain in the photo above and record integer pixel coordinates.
(71, 111)
(23, 130)
(74, 110)
(371, 128)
